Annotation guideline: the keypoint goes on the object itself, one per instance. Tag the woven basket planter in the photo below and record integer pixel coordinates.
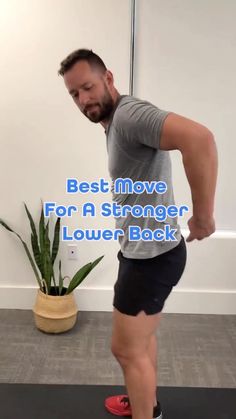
(55, 314)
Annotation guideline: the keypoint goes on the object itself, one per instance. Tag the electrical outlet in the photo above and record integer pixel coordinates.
(72, 252)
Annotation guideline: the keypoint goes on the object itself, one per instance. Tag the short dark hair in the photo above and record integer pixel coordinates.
(81, 54)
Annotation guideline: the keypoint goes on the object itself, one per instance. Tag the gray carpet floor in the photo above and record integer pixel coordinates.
(194, 351)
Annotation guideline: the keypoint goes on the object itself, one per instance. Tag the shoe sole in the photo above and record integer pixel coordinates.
(114, 412)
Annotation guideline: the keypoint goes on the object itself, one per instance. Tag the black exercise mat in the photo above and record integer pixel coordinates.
(47, 401)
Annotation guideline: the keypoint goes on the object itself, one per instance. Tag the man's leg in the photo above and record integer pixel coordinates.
(152, 350)
(133, 345)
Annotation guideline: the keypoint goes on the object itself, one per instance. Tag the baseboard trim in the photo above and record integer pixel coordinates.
(100, 299)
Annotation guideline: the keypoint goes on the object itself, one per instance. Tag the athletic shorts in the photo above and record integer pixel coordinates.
(145, 284)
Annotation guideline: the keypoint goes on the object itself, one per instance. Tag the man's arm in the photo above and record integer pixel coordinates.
(199, 153)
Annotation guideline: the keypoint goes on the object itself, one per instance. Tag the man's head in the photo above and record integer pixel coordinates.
(90, 84)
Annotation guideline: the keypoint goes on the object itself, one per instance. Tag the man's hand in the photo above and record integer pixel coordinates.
(197, 146)
(199, 229)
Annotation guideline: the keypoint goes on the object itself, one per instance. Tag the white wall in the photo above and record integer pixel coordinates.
(44, 138)
(185, 62)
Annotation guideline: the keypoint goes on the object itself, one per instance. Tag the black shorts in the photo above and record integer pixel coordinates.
(144, 284)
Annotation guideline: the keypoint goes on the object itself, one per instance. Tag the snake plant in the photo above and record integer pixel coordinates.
(44, 256)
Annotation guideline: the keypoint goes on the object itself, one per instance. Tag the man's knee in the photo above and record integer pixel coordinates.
(127, 351)
(127, 359)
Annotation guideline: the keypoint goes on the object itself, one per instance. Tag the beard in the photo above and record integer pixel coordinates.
(101, 110)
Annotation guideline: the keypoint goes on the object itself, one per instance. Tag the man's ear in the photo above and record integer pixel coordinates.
(109, 77)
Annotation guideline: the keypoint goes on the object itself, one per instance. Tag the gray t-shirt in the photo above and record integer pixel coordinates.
(133, 136)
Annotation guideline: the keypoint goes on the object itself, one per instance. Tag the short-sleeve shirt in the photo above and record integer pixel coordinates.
(133, 137)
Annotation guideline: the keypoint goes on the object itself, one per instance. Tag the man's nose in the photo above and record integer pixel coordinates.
(83, 99)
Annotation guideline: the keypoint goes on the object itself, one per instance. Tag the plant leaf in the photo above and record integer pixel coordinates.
(6, 226)
(78, 277)
(60, 279)
(45, 285)
(36, 252)
(45, 250)
(48, 263)
(34, 240)
(31, 221)
(96, 262)
(56, 240)
(81, 274)
(27, 252)
(41, 243)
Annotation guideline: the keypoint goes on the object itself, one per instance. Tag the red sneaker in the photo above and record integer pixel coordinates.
(118, 405)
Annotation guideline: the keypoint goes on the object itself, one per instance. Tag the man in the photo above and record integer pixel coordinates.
(139, 136)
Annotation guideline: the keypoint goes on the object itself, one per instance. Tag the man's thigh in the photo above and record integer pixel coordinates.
(131, 334)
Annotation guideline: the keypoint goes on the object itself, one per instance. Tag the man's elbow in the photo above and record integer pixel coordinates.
(210, 137)
(210, 144)
(200, 144)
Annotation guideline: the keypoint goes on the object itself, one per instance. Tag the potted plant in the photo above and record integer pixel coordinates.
(55, 308)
